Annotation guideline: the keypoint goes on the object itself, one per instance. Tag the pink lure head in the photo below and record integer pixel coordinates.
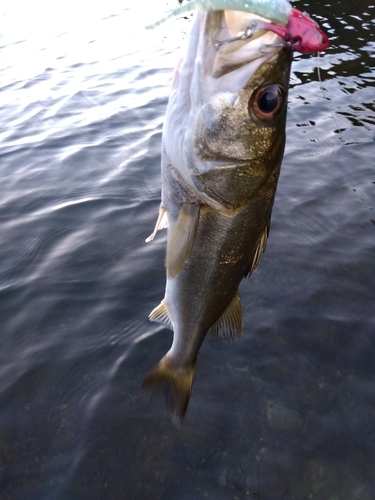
(304, 34)
(301, 32)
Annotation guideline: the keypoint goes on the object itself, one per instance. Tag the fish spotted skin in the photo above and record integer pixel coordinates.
(219, 177)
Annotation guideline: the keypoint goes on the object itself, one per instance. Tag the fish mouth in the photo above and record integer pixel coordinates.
(211, 65)
(226, 32)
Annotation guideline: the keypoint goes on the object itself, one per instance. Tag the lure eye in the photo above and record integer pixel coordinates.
(267, 102)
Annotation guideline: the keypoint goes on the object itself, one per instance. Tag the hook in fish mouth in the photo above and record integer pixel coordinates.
(249, 32)
(301, 33)
(242, 35)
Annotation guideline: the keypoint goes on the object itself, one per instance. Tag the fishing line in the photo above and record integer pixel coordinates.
(324, 91)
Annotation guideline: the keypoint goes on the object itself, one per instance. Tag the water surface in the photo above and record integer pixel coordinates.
(285, 413)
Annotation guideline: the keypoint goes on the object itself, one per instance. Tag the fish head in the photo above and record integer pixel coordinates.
(228, 109)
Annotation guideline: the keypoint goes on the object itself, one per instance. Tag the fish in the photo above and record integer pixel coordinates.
(222, 146)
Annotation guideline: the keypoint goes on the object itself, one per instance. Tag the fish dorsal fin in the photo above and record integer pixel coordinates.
(161, 223)
(260, 248)
(161, 315)
(182, 239)
(230, 324)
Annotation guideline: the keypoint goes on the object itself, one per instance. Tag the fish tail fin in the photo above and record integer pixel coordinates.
(176, 383)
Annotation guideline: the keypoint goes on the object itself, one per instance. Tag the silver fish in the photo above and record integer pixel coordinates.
(223, 143)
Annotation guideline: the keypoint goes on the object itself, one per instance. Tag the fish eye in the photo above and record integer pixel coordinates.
(267, 102)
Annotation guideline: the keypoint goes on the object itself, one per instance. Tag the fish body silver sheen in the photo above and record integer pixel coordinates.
(223, 143)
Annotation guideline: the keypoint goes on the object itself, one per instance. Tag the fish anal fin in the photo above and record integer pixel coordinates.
(161, 223)
(176, 383)
(230, 324)
(161, 315)
(182, 239)
(261, 247)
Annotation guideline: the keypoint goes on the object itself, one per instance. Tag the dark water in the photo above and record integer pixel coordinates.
(288, 412)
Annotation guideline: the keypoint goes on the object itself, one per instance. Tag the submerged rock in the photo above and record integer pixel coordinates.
(281, 418)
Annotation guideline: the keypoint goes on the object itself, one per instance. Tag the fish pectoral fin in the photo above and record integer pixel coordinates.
(161, 223)
(230, 324)
(161, 315)
(260, 248)
(182, 239)
(176, 383)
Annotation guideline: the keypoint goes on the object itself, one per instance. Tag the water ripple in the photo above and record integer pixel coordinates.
(287, 412)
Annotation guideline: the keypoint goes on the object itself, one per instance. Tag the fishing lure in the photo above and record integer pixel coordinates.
(275, 10)
(295, 27)
(301, 33)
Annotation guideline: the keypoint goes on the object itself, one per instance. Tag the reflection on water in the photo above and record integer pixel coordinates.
(285, 413)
